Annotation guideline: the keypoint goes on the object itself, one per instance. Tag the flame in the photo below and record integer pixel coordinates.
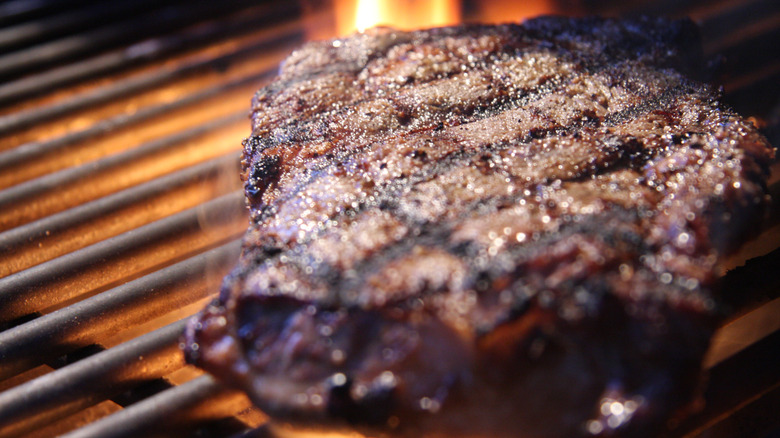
(368, 14)
(401, 14)
(326, 19)
(504, 11)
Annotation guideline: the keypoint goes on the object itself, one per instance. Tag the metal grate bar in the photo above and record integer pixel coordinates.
(202, 397)
(68, 48)
(753, 419)
(86, 382)
(19, 10)
(88, 321)
(733, 18)
(736, 381)
(80, 293)
(26, 202)
(130, 254)
(12, 37)
(258, 432)
(146, 50)
(748, 49)
(54, 235)
(34, 152)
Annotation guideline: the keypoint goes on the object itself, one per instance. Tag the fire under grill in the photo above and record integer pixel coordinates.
(121, 210)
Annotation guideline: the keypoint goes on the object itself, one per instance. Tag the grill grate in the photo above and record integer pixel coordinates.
(120, 209)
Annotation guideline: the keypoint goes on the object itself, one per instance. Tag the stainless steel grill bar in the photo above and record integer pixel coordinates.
(202, 397)
(719, 26)
(56, 234)
(258, 432)
(19, 10)
(90, 320)
(739, 380)
(122, 257)
(89, 381)
(163, 19)
(26, 33)
(744, 40)
(145, 50)
(26, 202)
(80, 293)
(31, 152)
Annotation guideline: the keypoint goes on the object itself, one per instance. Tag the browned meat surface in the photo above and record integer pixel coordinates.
(509, 231)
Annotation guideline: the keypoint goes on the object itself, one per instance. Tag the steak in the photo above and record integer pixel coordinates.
(505, 231)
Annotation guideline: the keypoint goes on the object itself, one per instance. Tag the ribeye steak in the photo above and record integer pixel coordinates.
(500, 231)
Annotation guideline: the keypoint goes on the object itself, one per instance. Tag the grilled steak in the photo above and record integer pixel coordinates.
(485, 231)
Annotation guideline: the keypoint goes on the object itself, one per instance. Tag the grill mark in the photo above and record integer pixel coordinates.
(516, 36)
(385, 196)
(426, 234)
(449, 161)
(323, 163)
(305, 130)
(342, 290)
(653, 103)
(524, 96)
(584, 60)
(356, 68)
(529, 95)
(433, 234)
(513, 102)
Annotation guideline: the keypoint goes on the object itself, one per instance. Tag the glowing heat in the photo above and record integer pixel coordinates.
(401, 14)
(503, 11)
(368, 14)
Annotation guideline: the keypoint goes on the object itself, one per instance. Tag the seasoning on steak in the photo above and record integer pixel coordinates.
(503, 231)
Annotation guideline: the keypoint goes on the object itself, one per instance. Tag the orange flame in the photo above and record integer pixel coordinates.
(505, 11)
(401, 14)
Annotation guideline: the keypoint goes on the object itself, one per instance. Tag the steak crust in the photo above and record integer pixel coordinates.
(498, 231)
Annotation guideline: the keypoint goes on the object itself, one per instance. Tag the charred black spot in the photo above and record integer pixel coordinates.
(265, 174)
(270, 251)
(404, 118)
(635, 154)
(419, 154)
(678, 139)
(590, 118)
(256, 144)
(537, 133)
(340, 403)
(374, 408)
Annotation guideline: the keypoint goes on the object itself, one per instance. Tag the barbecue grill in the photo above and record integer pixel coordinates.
(121, 209)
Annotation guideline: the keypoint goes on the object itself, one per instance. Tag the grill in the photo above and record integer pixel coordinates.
(121, 210)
